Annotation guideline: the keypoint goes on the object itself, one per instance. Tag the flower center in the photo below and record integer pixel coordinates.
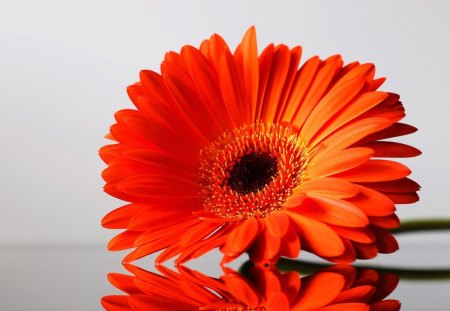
(252, 170)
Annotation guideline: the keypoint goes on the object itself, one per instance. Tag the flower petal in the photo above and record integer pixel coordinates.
(329, 187)
(328, 69)
(247, 57)
(277, 223)
(277, 302)
(241, 290)
(116, 303)
(372, 203)
(375, 171)
(290, 243)
(361, 235)
(338, 97)
(363, 103)
(334, 211)
(319, 290)
(119, 218)
(340, 161)
(304, 78)
(353, 306)
(388, 149)
(275, 83)
(320, 238)
(241, 237)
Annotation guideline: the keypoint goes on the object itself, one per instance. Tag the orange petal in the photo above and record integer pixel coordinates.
(198, 233)
(232, 87)
(395, 130)
(358, 293)
(290, 284)
(403, 198)
(319, 290)
(210, 244)
(247, 56)
(241, 237)
(124, 283)
(159, 230)
(294, 200)
(266, 248)
(318, 236)
(351, 133)
(110, 152)
(266, 281)
(296, 53)
(331, 103)
(389, 282)
(156, 303)
(366, 71)
(363, 103)
(155, 218)
(170, 252)
(373, 203)
(119, 218)
(325, 74)
(275, 83)
(290, 244)
(348, 256)
(208, 88)
(150, 248)
(388, 149)
(303, 79)
(365, 251)
(334, 211)
(241, 290)
(385, 241)
(340, 161)
(265, 65)
(329, 187)
(387, 222)
(116, 303)
(123, 240)
(277, 223)
(196, 292)
(151, 186)
(361, 235)
(399, 185)
(353, 306)
(386, 305)
(277, 302)
(376, 171)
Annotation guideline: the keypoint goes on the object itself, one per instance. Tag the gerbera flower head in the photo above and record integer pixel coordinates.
(334, 288)
(251, 153)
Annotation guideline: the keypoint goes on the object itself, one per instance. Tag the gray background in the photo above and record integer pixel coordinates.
(64, 66)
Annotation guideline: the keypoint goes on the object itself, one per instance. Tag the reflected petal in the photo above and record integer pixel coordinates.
(261, 288)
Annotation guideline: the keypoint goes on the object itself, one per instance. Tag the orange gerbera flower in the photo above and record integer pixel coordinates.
(337, 288)
(250, 153)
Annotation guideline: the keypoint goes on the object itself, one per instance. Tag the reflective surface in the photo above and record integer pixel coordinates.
(73, 277)
(256, 288)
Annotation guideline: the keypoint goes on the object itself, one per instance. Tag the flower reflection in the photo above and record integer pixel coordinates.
(331, 289)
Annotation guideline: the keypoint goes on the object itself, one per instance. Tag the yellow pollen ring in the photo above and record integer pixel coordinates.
(219, 158)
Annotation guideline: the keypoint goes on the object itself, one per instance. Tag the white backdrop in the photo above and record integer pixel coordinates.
(64, 66)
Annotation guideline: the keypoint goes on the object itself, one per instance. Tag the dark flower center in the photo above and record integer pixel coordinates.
(253, 172)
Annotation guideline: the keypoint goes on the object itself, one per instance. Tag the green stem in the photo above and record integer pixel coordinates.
(422, 225)
(305, 267)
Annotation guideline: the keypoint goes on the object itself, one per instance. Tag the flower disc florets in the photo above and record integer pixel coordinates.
(251, 170)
